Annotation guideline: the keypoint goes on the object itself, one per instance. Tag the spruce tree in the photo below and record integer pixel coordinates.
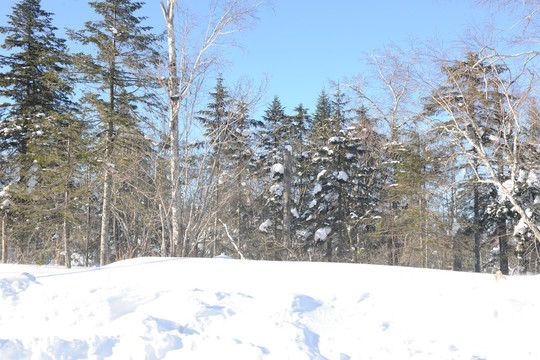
(275, 137)
(124, 50)
(301, 123)
(37, 118)
(35, 81)
(228, 153)
(323, 110)
(217, 120)
(342, 196)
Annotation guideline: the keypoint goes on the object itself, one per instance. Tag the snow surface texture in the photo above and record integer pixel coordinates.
(165, 308)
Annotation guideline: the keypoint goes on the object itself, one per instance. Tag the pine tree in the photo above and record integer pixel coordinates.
(415, 172)
(342, 197)
(39, 118)
(275, 137)
(216, 119)
(219, 130)
(35, 82)
(301, 122)
(241, 155)
(277, 130)
(124, 50)
(321, 126)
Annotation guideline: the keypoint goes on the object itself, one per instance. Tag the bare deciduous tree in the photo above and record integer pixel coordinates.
(487, 124)
(187, 69)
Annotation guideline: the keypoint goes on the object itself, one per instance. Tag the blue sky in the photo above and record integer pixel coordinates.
(300, 45)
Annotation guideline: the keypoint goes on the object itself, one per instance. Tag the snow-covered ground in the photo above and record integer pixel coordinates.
(169, 308)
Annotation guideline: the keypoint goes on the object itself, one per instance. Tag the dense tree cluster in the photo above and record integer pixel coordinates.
(438, 167)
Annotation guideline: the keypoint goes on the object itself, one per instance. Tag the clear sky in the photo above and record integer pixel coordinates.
(300, 45)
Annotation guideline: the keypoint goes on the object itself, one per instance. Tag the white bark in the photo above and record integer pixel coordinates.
(174, 104)
(186, 70)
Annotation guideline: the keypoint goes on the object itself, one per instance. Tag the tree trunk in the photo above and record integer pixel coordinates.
(287, 175)
(174, 101)
(4, 239)
(107, 184)
(456, 247)
(59, 245)
(106, 203)
(501, 222)
(163, 232)
(88, 227)
(476, 205)
(65, 232)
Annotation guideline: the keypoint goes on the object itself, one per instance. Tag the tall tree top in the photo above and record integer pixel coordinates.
(119, 36)
(323, 110)
(217, 115)
(35, 84)
(33, 76)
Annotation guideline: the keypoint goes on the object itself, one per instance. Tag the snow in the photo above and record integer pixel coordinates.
(243, 132)
(174, 308)
(317, 189)
(265, 225)
(496, 139)
(455, 228)
(276, 189)
(321, 174)
(232, 309)
(5, 191)
(342, 175)
(322, 233)
(521, 227)
(278, 168)
(532, 179)
(5, 204)
(152, 139)
(334, 140)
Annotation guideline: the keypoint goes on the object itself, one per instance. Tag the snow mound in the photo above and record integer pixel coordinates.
(173, 308)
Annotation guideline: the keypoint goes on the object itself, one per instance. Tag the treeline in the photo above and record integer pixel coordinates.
(111, 154)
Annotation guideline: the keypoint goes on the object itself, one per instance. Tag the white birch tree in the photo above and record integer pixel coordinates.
(186, 71)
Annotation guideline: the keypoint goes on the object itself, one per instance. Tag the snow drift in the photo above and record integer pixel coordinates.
(170, 308)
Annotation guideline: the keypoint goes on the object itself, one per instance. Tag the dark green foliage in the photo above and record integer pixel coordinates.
(343, 195)
(323, 112)
(40, 131)
(217, 118)
(125, 50)
(35, 82)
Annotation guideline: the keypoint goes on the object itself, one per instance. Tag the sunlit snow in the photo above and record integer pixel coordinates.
(278, 168)
(171, 308)
(265, 225)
